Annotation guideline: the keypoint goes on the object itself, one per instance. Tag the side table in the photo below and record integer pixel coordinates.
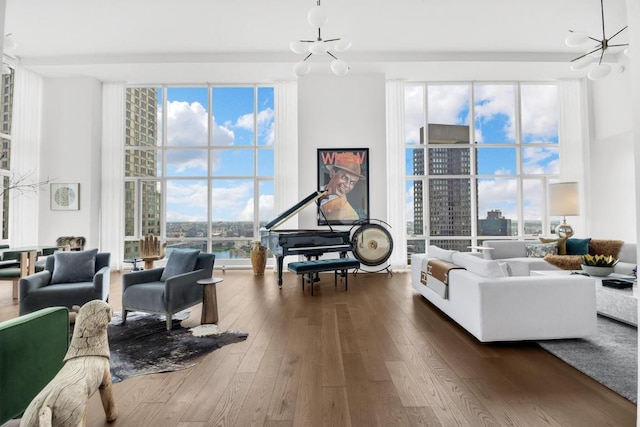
(209, 300)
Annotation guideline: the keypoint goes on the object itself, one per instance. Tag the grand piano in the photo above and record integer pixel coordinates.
(310, 243)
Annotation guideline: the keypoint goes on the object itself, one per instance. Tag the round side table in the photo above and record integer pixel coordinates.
(209, 300)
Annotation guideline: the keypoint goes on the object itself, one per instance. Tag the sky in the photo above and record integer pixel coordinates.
(232, 126)
(493, 118)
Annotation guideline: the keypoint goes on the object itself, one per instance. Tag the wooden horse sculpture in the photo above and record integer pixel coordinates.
(63, 402)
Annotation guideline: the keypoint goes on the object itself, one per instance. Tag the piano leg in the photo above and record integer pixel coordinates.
(279, 262)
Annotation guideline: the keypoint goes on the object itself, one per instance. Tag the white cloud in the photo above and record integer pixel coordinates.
(186, 200)
(497, 194)
(447, 102)
(540, 160)
(540, 111)
(414, 113)
(266, 209)
(493, 100)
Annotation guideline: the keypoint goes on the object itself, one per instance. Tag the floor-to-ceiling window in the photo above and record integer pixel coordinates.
(199, 166)
(6, 95)
(478, 159)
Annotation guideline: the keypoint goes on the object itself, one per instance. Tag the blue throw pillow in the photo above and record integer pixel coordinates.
(180, 261)
(578, 246)
(74, 266)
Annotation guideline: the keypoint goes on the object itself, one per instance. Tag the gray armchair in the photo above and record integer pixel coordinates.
(159, 291)
(67, 284)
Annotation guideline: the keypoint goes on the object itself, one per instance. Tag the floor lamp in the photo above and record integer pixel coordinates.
(564, 201)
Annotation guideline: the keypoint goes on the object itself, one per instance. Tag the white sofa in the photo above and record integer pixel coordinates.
(493, 306)
(515, 253)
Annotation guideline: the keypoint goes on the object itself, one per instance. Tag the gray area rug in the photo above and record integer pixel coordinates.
(144, 346)
(610, 357)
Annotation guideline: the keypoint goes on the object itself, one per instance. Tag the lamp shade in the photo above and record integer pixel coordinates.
(581, 63)
(339, 67)
(576, 38)
(599, 72)
(298, 47)
(317, 16)
(342, 45)
(301, 69)
(563, 199)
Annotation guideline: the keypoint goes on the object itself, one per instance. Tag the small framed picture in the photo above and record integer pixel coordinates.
(65, 197)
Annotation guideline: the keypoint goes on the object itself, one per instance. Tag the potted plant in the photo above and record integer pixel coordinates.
(598, 265)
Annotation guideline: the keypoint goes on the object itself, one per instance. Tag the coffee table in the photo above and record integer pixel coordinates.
(619, 304)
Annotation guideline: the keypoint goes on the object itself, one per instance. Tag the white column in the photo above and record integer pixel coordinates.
(396, 216)
(112, 183)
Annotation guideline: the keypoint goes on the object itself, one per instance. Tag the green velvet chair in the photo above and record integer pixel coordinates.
(10, 269)
(32, 349)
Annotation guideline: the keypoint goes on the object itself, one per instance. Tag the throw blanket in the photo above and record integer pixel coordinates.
(434, 274)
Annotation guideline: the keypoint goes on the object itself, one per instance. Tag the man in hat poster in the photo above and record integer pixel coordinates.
(344, 174)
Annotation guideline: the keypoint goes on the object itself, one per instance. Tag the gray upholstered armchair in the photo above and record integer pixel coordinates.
(69, 278)
(167, 290)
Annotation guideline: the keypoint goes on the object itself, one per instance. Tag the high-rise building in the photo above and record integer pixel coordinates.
(494, 225)
(449, 198)
(141, 131)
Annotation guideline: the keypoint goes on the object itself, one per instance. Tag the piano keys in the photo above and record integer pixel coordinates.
(310, 243)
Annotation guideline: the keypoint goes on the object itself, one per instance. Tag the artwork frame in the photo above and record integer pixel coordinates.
(343, 205)
(65, 196)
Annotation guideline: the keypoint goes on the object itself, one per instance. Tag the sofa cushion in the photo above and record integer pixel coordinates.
(605, 247)
(481, 267)
(180, 261)
(443, 254)
(540, 250)
(74, 266)
(561, 241)
(565, 262)
(578, 246)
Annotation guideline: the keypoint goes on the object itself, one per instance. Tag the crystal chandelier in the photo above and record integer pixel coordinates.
(317, 17)
(580, 39)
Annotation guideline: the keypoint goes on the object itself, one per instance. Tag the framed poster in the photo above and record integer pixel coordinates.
(344, 175)
(65, 197)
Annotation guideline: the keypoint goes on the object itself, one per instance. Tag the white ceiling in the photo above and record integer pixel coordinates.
(144, 40)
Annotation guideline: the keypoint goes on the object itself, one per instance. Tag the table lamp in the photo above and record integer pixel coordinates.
(564, 201)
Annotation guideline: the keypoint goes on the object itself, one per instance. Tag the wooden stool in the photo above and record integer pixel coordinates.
(209, 300)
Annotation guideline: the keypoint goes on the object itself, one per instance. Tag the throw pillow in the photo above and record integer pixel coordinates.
(74, 266)
(539, 250)
(578, 246)
(605, 247)
(481, 267)
(506, 269)
(180, 261)
(443, 254)
(562, 244)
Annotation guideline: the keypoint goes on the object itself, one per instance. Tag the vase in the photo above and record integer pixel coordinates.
(593, 270)
(258, 258)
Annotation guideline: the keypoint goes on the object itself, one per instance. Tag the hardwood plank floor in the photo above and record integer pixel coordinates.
(376, 355)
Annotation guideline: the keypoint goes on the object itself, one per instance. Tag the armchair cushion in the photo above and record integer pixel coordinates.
(180, 261)
(72, 267)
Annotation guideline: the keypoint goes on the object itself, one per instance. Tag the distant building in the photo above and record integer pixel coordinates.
(494, 225)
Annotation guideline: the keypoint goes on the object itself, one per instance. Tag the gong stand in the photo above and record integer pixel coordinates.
(371, 244)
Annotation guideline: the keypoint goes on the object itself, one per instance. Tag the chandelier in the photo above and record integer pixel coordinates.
(317, 17)
(580, 39)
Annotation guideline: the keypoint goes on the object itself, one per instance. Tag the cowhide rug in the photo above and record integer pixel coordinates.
(144, 346)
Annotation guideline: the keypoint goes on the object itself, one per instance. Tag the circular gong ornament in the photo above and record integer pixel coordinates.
(372, 244)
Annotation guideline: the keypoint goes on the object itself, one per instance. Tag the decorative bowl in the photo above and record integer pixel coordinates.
(593, 270)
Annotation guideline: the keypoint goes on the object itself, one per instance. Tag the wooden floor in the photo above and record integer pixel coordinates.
(376, 355)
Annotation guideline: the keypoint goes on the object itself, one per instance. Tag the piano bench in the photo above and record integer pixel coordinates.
(320, 265)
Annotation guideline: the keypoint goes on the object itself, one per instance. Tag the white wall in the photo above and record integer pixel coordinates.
(611, 200)
(70, 152)
(341, 112)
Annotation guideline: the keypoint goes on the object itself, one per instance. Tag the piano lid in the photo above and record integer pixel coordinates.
(295, 209)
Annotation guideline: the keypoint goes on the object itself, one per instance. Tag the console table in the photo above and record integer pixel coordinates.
(619, 304)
